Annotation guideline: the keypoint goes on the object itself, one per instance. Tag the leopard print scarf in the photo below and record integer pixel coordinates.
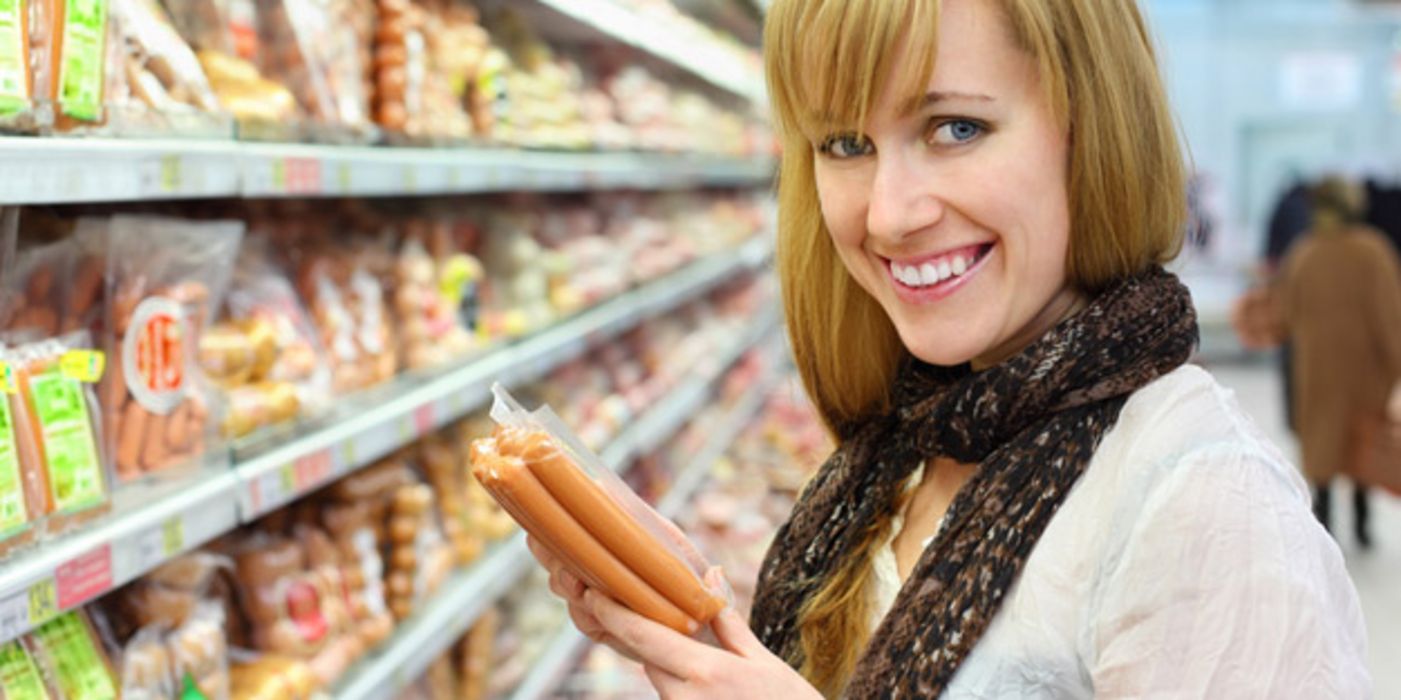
(1032, 424)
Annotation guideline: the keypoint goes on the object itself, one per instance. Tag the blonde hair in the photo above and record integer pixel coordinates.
(827, 61)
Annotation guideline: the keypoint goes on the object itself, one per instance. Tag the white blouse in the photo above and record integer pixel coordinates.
(1185, 563)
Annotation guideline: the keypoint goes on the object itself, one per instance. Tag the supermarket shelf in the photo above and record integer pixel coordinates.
(308, 463)
(151, 523)
(148, 525)
(453, 610)
(71, 170)
(708, 61)
(552, 666)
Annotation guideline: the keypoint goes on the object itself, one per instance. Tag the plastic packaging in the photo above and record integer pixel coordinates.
(68, 650)
(20, 676)
(426, 297)
(22, 482)
(199, 653)
(58, 429)
(165, 278)
(312, 47)
(146, 672)
(160, 87)
(23, 48)
(565, 498)
(78, 62)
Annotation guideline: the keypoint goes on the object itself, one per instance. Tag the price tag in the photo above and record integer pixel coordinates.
(454, 179)
(171, 176)
(14, 616)
(8, 384)
(287, 479)
(423, 418)
(279, 174)
(406, 431)
(313, 469)
(410, 179)
(348, 454)
(343, 177)
(173, 537)
(84, 578)
(43, 602)
(83, 365)
(493, 177)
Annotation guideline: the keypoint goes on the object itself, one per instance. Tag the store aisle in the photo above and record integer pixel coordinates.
(1377, 573)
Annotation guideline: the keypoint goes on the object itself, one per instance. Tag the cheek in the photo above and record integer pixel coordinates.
(843, 208)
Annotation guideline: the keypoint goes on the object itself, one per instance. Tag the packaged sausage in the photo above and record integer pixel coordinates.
(165, 279)
(159, 87)
(419, 558)
(312, 47)
(20, 676)
(23, 47)
(362, 569)
(574, 505)
(22, 483)
(68, 650)
(78, 63)
(199, 654)
(145, 669)
(57, 423)
(426, 298)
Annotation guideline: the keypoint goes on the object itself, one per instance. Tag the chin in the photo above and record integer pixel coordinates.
(927, 346)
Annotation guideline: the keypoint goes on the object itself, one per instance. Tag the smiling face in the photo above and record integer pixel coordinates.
(952, 210)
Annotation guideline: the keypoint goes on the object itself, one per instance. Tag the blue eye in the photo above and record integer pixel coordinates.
(848, 145)
(955, 132)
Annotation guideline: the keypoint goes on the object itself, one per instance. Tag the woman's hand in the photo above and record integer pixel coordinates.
(1393, 404)
(680, 667)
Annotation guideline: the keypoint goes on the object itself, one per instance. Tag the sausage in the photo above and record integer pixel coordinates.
(617, 530)
(510, 477)
(132, 431)
(155, 455)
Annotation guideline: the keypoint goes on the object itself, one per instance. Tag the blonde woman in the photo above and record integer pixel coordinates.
(1033, 495)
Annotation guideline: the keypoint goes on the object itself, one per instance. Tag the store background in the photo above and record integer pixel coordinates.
(669, 365)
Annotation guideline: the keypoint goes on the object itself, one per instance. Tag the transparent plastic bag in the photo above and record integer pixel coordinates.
(584, 514)
(159, 86)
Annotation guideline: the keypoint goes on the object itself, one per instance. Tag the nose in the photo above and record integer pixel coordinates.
(903, 200)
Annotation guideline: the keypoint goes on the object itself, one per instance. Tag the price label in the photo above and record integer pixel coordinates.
(343, 177)
(406, 429)
(83, 365)
(423, 418)
(43, 601)
(287, 479)
(8, 384)
(279, 174)
(493, 177)
(454, 179)
(171, 175)
(173, 537)
(14, 616)
(348, 454)
(313, 469)
(84, 578)
(410, 179)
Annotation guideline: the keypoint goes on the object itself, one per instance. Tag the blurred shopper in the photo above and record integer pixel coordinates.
(1339, 298)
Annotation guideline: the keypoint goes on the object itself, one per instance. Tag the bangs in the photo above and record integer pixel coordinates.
(828, 61)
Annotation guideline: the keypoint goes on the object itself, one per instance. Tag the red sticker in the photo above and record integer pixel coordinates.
(84, 578)
(153, 354)
(423, 418)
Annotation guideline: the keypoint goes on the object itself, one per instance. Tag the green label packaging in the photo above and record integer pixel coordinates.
(77, 664)
(14, 507)
(70, 447)
(81, 73)
(19, 677)
(14, 60)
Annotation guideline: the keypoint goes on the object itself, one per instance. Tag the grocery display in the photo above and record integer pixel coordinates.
(238, 442)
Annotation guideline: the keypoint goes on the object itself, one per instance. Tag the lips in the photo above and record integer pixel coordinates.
(920, 273)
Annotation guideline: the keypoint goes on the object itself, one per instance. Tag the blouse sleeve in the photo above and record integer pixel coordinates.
(1228, 588)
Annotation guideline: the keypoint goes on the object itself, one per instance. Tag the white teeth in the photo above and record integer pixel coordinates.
(960, 265)
(928, 274)
(931, 273)
(945, 271)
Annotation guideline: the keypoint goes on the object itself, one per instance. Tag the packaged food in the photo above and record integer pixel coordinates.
(57, 423)
(475, 655)
(22, 483)
(419, 558)
(78, 62)
(312, 47)
(199, 654)
(20, 677)
(362, 569)
(160, 87)
(265, 357)
(426, 303)
(562, 495)
(165, 279)
(272, 677)
(24, 47)
(68, 651)
(146, 672)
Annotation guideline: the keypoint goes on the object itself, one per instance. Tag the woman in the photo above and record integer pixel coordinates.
(1032, 495)
(1340, 298)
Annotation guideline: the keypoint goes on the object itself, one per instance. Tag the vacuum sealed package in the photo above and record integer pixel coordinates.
(165, 277)
(578, 509)
(57, 427)
(69, 651)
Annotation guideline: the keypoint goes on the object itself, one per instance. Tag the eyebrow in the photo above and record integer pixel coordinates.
(935, 97)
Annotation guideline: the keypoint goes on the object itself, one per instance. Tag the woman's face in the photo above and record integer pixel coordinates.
(953, 212)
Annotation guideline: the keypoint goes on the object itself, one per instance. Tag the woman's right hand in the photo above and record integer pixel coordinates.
(569, 588)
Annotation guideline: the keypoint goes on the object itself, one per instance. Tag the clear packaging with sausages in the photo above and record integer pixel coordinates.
(585, 515)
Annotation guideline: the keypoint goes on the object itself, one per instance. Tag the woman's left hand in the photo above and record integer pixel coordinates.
(680, 667)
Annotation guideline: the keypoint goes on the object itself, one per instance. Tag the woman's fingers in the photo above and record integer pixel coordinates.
(734, 634)
(649, 642)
